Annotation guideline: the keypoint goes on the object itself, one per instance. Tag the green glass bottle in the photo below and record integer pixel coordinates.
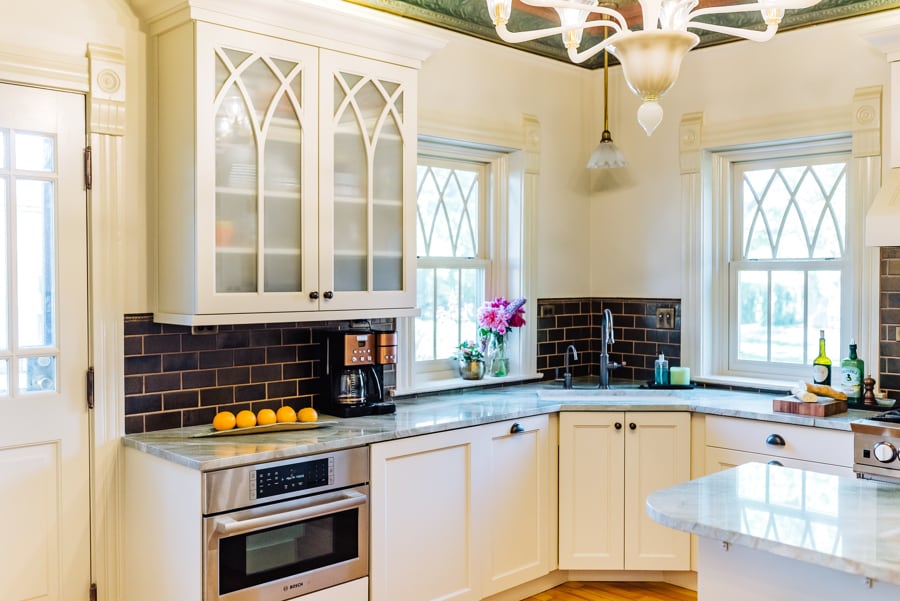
(822, 364)
(852, 370)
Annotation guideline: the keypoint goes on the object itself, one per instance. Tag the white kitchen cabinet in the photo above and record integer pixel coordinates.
(461, 514)
(285, 179)
(520, 493)
(733, 441)
(608, 463)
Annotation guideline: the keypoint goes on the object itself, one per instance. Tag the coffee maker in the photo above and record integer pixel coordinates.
(353, 364)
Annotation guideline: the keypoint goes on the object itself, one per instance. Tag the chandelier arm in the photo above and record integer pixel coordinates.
(754, 7)
(579, 57)
(517, 37)
(748, 34)
(599, 10)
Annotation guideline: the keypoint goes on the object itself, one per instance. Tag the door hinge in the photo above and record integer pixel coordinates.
(87, 168)
(90, 387)
(92, 595)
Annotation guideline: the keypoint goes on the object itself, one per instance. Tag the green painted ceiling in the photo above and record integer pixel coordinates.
(470, 17)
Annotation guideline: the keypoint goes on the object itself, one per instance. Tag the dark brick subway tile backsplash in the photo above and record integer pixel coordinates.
(174, 378)
(577, 322)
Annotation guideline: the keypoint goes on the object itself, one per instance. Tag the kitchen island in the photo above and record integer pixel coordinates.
(771, 532)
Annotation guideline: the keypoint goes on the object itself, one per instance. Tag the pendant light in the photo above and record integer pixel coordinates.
(606, 155)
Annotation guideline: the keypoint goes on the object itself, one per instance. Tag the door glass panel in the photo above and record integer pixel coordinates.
(34, 152)
(4, 275)
(35, 262)
(261, 84)
(37, 374)
(28, 263)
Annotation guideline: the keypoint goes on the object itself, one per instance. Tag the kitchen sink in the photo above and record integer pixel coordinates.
(626, 394)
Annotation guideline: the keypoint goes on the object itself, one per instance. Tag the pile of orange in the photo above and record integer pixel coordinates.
(226, 420)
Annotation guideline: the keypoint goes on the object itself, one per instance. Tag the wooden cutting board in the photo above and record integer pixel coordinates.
(822, 408)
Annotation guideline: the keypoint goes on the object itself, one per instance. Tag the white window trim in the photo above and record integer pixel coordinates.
(702, 257)
(514, 162)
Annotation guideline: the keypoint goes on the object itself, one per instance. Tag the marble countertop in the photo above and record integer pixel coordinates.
(446, 411)
(846, 524)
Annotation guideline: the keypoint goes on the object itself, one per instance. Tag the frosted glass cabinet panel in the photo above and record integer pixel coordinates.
(368, 149)
(237, 152)
(285, 179)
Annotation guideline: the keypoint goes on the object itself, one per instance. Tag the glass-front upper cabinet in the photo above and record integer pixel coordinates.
(253, 248)
(366, 183)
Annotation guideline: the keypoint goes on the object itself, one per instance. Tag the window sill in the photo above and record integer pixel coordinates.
(747, 382)
(460, 384)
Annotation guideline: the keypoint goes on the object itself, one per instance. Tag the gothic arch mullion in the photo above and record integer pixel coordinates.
(466, 203)
(826, 209)
(452, 229)
(429, 174)
(829, 197)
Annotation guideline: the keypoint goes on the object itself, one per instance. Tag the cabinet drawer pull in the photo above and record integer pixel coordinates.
(632, 425)
(516, 428)
(775, 439)
(328, 294)
(778, 463)
(314, 295)
(618, 425)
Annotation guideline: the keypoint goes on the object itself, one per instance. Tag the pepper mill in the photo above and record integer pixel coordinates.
(869, 394)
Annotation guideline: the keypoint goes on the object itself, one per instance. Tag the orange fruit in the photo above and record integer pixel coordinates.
(224, 420)
(307, 414)
(245, 419)
(264, 417)
(286, 414)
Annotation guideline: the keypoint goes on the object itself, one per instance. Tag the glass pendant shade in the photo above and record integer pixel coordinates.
(606, 155)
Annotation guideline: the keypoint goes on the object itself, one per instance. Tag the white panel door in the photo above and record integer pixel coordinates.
(591, 501)
(657, 455)
(518, 501)
(426, 513)
(44, 466)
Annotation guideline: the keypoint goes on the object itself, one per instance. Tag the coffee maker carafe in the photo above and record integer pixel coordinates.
(352, 382)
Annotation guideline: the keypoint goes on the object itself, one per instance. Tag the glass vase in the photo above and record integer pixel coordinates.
(499, 360)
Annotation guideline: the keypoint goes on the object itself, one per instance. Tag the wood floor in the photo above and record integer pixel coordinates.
(615, 591)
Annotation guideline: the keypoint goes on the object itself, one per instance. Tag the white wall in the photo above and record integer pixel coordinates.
(481, 88)
(812, 69)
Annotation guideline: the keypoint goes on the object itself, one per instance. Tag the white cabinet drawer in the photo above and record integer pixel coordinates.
(799, 442)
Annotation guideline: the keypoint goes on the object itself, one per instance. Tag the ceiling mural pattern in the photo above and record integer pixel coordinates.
(471, 18)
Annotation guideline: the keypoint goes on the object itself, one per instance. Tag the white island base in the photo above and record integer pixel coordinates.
(739, 573)
(776, 533)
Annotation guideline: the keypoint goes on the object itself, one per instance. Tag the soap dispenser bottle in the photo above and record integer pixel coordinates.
(661, 371)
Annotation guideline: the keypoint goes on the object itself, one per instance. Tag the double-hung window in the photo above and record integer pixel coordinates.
(453, 269)
(790, 254)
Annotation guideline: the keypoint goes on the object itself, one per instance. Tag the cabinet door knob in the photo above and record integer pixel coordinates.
(618, 425)
(516, 428)
(632, 425)
(775, 439)
(314, 295)
(328, 294)
(778, 463)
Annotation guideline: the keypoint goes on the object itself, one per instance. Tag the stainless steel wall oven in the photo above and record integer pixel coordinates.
(278, 530)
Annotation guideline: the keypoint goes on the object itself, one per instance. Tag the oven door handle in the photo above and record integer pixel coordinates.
(227, 526)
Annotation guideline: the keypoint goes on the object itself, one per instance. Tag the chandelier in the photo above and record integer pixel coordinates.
(650, 57)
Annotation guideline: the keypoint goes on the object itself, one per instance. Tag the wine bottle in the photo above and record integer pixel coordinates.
(852, 370)
(822, 364)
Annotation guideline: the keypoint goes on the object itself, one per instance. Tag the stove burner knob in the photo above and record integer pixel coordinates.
(884, 452)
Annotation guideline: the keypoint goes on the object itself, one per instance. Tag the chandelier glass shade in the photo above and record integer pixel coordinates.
(651, 56)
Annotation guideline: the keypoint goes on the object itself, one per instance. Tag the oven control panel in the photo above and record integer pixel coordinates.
(251, 484)
(292, 477)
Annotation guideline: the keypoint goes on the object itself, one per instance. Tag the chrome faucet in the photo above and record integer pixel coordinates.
(567, 376)
(607, 338)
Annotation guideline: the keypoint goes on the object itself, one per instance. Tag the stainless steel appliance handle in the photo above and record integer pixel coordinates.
(227, 526)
